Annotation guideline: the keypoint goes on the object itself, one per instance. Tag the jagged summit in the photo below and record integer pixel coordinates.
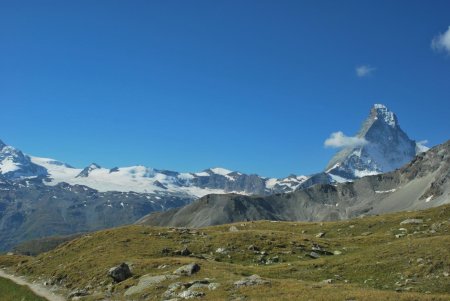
(387, 147)
(15, 164)
(380, 111)
(87, 170)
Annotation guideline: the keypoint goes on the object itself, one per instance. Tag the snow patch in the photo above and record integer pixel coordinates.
(339, 179)
(221, 171)
(385, 191)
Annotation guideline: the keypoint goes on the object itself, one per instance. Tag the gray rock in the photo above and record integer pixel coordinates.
(320, 250)
(78, 293)
(233, 229)
(413, 221)
(320, 235)
(214, 285)
(190, 294)
(148, 281)
(222, 251)
(120, 272)
(187, 270)
(251, 281)
(185, 252)
(314, 255)
(253, 248)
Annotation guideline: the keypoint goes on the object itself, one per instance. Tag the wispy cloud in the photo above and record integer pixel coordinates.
(339, 140)
(364, 70)
(421, 147)
(441, 42)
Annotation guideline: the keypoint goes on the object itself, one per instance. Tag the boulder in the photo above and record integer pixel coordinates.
(190, 294)
(223, 251)
(186, 252)
(314, 255)
(187, 270)
(320, 250)
(413, 221)
(78, 293)
(253, 248)
(148, 281)
(233, 229)
(120, 273)
(251, 281)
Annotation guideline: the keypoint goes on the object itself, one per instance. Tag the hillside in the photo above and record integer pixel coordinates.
(422, 183)
(401, 256)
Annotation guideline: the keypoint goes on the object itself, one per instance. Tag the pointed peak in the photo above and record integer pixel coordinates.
(85, 172)
(382, 113)
(2, 145)
(94, 166)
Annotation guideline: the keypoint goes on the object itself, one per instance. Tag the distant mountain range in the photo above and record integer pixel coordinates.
(387, 147)
(422, 183)
(14, 165)
(41, 197)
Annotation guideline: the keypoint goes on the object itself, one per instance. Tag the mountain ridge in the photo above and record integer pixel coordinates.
(420, 184)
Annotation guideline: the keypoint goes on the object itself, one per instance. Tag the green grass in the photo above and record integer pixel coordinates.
(9, 291)
(373, 264)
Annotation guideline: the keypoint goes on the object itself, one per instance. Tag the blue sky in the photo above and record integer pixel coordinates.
(254, 86)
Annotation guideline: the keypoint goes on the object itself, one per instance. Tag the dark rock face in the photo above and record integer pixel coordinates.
(31, 210)
(120, 273)
(85, 172)
(241, 182)
(187, 270)
(423, 183)
(387, 147)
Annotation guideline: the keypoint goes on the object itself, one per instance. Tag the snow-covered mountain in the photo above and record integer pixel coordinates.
(15, 165)
(384, 147)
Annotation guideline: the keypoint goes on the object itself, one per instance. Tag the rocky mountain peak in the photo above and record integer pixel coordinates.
(387, 147)
(87, 170)
(382, 113)
(14, 164)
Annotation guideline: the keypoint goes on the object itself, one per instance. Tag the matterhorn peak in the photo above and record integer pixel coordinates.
(387, 147)
(382, 113)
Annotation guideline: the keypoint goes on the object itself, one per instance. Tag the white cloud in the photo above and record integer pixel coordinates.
(441, 42)
(364, 70)
(339, 140)
(421, 147)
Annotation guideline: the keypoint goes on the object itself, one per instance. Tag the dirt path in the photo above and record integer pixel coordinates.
(36, 288)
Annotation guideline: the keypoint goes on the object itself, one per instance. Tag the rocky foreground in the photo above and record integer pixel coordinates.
(402, 256)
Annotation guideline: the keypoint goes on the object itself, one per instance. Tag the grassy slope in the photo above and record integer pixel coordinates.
(9, 291)
(373, 263)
